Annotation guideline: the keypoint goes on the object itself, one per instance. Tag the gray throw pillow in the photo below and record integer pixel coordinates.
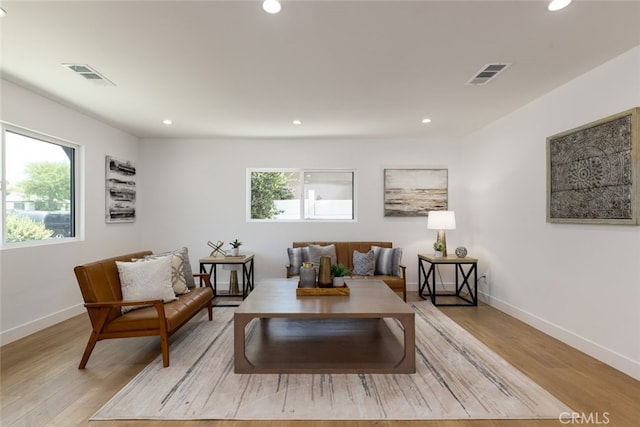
(388, 260)
(296, 257)
(181, 271)
(364, 263)
(317, 251)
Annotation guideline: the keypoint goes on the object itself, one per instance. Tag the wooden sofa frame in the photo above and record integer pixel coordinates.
(100, 286)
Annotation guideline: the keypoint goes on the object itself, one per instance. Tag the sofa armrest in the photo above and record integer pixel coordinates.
(203, 276)
(104, 308)
(114, 304)
(287, 269)
(403, 271)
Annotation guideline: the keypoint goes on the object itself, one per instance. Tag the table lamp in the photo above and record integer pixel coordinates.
(441, 220)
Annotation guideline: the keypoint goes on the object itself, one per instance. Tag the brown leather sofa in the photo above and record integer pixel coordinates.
(100, 286)
(344, 255)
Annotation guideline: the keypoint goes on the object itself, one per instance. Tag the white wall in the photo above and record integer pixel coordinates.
(37, 284)
(195, 191)
(579, 283)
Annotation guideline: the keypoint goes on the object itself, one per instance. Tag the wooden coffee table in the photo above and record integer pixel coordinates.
(369, 331)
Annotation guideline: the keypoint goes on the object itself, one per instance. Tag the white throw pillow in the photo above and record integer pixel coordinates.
(145, 280)
(179, 267)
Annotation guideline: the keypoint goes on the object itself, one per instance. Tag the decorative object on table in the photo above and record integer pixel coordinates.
(235, 247)
(324, 273)
(307, 275)
(592, 172)
(438, 247)
(442, 220)
(461, 252)
(414, 192)
(120, 191)
(330, 291)
(217, 248)
(338, 272)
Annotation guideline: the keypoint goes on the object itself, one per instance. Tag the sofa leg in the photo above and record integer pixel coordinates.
(164, 345)
(93, 339)
(210, 309)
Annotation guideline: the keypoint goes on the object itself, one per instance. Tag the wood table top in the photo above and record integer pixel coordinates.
(368, 297)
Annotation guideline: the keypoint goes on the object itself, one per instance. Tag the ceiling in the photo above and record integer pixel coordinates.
(346, 69)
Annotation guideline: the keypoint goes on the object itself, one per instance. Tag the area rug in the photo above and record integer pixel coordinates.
(457, 377)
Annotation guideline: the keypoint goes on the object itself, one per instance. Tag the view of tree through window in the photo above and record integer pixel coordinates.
(38, 188)
(301, 195)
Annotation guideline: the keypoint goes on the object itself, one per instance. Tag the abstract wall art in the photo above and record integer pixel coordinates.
(120, 191)
(414, 192)
(592, 172)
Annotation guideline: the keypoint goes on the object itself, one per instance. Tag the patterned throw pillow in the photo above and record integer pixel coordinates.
(181, 273)
(364, 263)
(317, 251)
(388, 260)
(296, 257)
(150, 279)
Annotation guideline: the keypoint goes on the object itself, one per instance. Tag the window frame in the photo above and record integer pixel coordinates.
(75, 193)
(302, 171)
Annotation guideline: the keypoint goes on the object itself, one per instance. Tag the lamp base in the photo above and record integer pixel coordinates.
(442, 238)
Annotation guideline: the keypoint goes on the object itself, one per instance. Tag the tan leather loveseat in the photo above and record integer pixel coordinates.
(344, 254)
(100, 286)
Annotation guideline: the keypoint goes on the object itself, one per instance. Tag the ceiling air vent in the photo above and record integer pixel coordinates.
(89, 73)
(487, 73)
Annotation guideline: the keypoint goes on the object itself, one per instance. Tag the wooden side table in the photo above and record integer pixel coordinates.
(463, 279)
(246, 260)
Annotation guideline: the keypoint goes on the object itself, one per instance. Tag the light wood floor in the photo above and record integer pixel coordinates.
(41, 385)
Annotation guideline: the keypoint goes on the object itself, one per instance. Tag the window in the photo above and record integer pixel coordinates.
(38, 187)
(294, 194)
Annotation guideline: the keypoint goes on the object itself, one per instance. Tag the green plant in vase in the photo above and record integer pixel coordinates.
(235, 247)
(339, 271)
(438, 247)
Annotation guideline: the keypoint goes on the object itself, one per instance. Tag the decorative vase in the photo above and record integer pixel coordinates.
(338, 282)
(324, 273)
(438, 254)
(235, 251)
(307, 275)
(461, 252)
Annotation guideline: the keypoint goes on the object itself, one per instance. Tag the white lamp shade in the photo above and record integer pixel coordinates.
(441, 220)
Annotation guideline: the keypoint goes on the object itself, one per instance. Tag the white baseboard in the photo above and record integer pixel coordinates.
(593, 349)
(22, 331)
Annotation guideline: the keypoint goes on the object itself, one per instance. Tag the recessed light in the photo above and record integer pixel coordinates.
(558, 4)
(271, 6)
(297, 122)
(167, 122)
(426, 120)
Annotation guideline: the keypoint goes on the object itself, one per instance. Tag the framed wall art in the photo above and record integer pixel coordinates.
(120, 190)
(593, 170)
(414, 192)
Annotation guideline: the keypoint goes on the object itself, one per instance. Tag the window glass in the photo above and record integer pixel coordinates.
(290, 195)
(38, 188)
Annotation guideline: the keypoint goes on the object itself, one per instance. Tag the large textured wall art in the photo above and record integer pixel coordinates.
(414, 192)
(592, 172)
